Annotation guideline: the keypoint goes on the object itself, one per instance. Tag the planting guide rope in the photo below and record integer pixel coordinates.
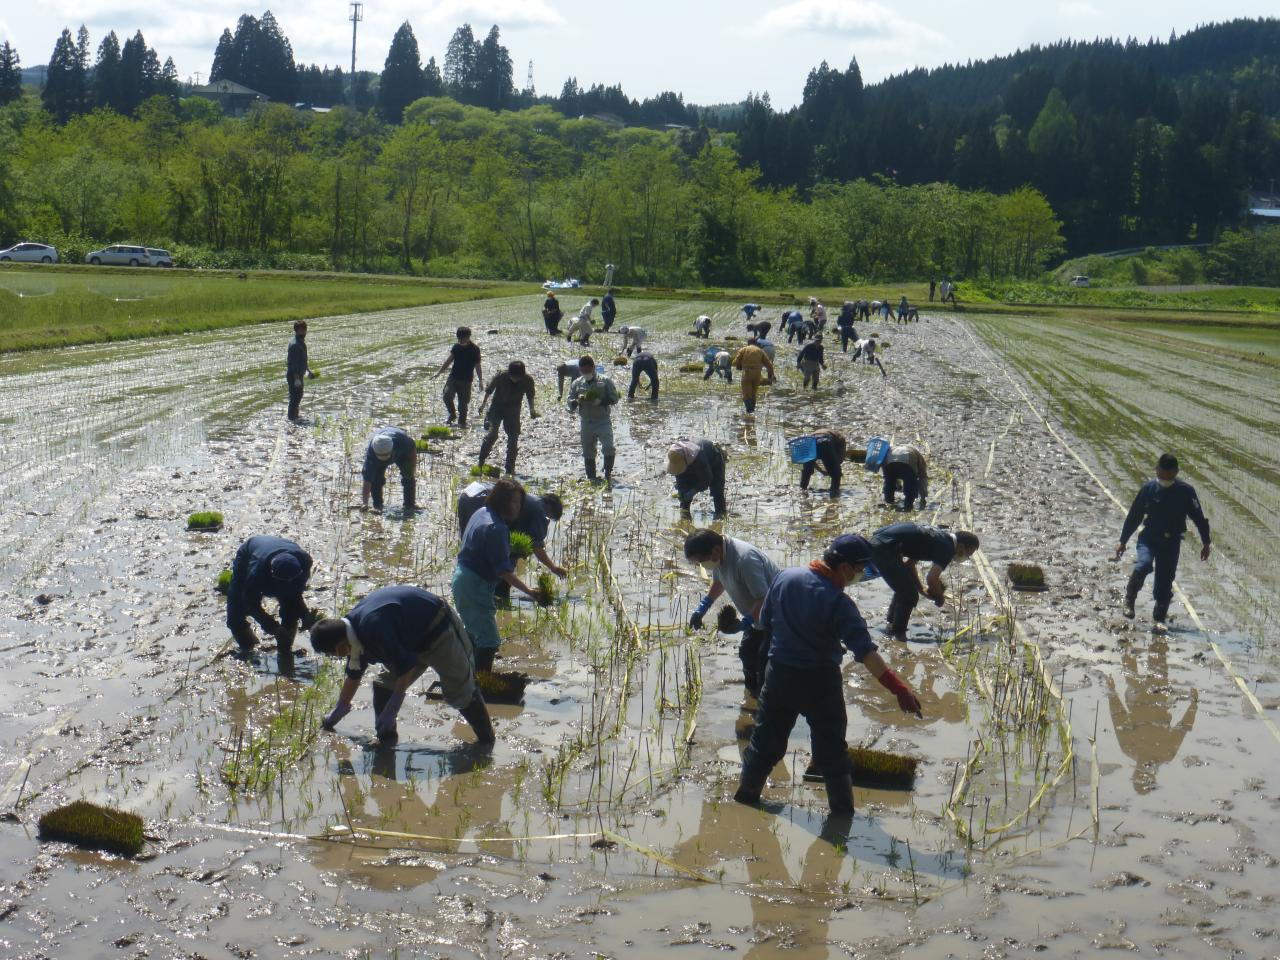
(1185, 600)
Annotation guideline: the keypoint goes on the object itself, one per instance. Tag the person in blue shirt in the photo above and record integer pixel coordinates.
(895, 551)
(485, 560)
(296, 367)
(811, 621)
(750, 310)
(268, 567)
(407, 630)
(697, 465)
(534, 521)
(390, 445)
(1161, 508)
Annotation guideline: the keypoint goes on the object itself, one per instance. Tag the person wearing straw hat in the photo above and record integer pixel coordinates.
(811, 621)
(390, 445)
(268, 567)
(697, 465)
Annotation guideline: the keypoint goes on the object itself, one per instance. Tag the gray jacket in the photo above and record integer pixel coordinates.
(591, 399)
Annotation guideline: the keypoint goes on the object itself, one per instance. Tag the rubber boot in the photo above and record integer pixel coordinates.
(840, 793)
(513, 447)
(484, 659)
(750, 785)
(1131, 594)
(381, 695)
(477, 716)
(608, 468)
(410, 495)
(245, 639)
(590, 464)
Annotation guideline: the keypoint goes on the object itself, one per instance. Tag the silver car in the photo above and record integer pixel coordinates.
(119, 255)
(159, 258)
(29, 253)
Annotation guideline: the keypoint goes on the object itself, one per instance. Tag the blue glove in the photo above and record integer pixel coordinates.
(386, 721)
(340, 710)
(695, 621)
(747, 622)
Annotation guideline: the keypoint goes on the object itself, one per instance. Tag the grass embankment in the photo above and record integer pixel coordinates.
(62, 306)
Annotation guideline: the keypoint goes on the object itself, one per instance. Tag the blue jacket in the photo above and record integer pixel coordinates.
(1165, 512)
(533, 519)
(403, 450)
(394, 626)
(810, 621)
(486, 546)
(608, 309)
(915, 541)
(296, 365)
(251, 580)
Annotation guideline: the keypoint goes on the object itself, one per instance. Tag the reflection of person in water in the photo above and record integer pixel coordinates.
(1143, 721)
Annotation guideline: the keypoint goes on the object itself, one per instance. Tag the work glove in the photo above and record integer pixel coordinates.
(699, 612)
(340, 710)
(908, 702)
(386, 722)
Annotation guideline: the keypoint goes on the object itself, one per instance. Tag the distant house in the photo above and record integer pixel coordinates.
(235, 99)
(611, 120)
(1264, 207)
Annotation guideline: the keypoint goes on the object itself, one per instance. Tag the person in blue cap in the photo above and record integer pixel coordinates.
(390, 445)
(1161, 508)
(408, 631)
(268, 567)
(811, 621)
(719, 363)
(897, 548)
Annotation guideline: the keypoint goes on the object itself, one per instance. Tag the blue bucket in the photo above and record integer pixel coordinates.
(877, 453)
(803, 449)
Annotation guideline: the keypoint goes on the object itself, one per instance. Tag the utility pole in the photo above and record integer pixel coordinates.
(528, 84)
(357, 14)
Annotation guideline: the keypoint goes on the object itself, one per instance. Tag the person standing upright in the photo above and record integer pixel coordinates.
(297, 367)
(608, 310)
(591, 397)
(1161, 508)
(462, 364)
(752, 361)
(844, 325)
(507, 391)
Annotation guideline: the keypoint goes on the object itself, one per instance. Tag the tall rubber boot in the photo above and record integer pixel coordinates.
(590, 464)
(484, 659)
(750, 785)
(410, 495)
(513, 446)
(477, 716)
(1131, 594)
(840, 793)
(381, 695)
(608, 468)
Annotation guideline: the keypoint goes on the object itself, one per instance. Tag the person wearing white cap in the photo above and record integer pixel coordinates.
(390, 445)
(268, 567)
(632, 339)
(697, 465)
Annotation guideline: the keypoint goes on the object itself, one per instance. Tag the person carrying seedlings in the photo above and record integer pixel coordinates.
(745, 572)
(844, 325)
(407, 631)
(591, 396)
(702, 327)
(831, 448)
(644, 363)
(462, 364)
(552, 314)
(507, 392)
(811, 361)
(895, 551)
(866, 349)
(268, 567)
(608, 309)
(751, 360)
(1161, 508)
(390, 445)
(485, 560)
(296, 367)
(534, 521)
(906, 465)
(811, 621)
(632, 338)
(697, 465)
(566, 372)
(718, 362)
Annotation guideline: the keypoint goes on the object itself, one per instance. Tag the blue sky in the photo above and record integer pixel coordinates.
(711, 50)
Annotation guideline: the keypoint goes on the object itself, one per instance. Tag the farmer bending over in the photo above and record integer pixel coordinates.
(390, 445)
(895, 551)
(697, 465)
(268, 567)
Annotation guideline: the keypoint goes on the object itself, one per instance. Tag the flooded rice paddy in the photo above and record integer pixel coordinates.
(1085, 786)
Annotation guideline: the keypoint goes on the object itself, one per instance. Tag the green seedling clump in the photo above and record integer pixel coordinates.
(208, 520)
(315, 373)
(94, 828)
(488, 470)
(1028, 575)
(691, 368)
(422, 445)
(224, 581)
(438, 432)
(521, 545)
(547, 588)
(886, 771)
(502, 686)
(621, 361)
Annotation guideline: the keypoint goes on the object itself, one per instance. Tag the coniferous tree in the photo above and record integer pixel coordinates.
(10, 74)
(223, 58)
(64, 87)
(106, 73)
(402, 78)
(494, 86)
(460, 64)
(432, 82)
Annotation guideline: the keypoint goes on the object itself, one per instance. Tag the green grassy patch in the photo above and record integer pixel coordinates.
(206, 520)
(93, 827)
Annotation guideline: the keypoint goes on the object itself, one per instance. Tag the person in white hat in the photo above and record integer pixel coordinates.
(390, 445)
(632, 339)
(697, 465)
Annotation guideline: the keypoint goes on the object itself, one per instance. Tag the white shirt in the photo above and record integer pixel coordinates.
(585, 312)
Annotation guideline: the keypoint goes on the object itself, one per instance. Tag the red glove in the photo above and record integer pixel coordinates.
(907, 701)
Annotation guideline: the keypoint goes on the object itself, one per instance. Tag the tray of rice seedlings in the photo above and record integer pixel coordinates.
(502, 686)
(692, 367)
(548, 591)
(621, 361)
(875, 769)
(1027, 577)
(208, 521)
(521, 545)
(224, 581)
(437, 432)
(733, 339)
(488, 472)
(422, 445)
(727, 619)
(92, 827)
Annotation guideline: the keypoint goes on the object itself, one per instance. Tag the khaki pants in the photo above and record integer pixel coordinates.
(451, 656)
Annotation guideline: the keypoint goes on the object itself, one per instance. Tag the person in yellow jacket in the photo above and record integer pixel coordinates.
(751, 360)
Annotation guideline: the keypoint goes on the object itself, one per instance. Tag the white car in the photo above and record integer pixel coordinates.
(119, 255)
(569, 283)
(159, 258)
(29, 253)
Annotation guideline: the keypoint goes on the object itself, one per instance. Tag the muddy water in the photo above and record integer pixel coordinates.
(602, 822)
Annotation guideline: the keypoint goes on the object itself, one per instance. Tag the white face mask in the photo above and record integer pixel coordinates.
(1164, 484)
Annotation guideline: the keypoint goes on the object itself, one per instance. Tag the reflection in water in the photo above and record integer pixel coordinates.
(1143, 721)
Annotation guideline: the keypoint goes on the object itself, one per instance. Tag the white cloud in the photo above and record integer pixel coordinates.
(505, 13)
(863, 20)
(1078, 10)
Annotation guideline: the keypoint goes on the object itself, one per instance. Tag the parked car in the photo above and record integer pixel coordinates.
(119, 255)
(159, 258)
(568, 283)
(29, 253)
(1081, 281)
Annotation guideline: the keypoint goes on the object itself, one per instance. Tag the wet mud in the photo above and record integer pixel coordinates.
(1085, 785)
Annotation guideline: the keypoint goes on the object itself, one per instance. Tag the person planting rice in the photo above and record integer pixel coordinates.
(591, 396)
(390, 445)
(697, 465)
(830, 447)
(745, 572)
(462, 364)
(844, 325)
(752, 360)
(407, 631)
(507, 392)
(907, 466)
(750, 310)
(793, 323)
(296, 367)
(581, 326)
(811, 360)
(644, 363)
(268, 567)
(895, 551)
(608, 309)
(485, 560)
(718, 362)
(632, 339)
(866, 349)
(764, 343)
(810, 622)
(566, 372)
(702, 327)
(534, 520)
(552, 314)
(1161, 508)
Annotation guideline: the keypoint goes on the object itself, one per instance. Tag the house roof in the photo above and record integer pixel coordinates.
(228, 88)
